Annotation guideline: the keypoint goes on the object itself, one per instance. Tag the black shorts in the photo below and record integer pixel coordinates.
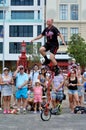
(52, 47)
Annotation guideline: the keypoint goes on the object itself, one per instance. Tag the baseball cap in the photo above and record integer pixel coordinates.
(21, 66)
(78, 64)
(73, 59)
(37, 81)
(5, 68)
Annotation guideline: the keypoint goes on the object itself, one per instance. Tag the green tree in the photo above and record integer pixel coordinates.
(33, 50)
(29, 48)
(77, 49)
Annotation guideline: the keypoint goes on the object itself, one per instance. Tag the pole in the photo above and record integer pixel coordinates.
(4, 13)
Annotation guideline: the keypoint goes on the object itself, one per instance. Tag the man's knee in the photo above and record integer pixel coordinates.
(52, 56)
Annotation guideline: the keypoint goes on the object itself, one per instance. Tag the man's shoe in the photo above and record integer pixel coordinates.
(18, 111)
(24, 111)
(46, 62)
(35, 112)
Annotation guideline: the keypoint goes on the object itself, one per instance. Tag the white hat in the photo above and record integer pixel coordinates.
(37, 81)
(21, 66)
(73, 59)
(5, 68)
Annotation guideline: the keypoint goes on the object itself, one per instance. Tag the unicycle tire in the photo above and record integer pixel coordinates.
(45, 115)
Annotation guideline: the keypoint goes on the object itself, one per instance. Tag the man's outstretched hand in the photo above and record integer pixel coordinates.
(64, 43)
(31, 41)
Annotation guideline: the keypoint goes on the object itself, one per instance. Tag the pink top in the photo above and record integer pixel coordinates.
(37, 90)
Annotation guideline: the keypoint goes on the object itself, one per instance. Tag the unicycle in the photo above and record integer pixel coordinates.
(46, 111)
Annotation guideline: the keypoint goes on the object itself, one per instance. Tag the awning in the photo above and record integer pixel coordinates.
(61, 56)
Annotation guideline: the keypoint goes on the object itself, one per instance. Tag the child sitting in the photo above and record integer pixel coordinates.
(30, 99)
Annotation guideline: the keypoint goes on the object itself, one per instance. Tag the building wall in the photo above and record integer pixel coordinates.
(83, 10)
(53, 11)
(8, 22)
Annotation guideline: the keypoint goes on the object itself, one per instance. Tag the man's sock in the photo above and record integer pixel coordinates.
(47, 61)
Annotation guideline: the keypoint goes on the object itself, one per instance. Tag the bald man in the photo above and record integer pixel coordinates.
(51, 33)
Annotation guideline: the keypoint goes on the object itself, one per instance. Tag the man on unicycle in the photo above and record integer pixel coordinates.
(52, 45)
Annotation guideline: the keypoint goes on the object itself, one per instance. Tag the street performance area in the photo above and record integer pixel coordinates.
(30, 121)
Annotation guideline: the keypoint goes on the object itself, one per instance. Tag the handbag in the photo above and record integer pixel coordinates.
(64, 96)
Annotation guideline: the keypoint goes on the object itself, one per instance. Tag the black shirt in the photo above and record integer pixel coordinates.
(73, 82)
(51, 34)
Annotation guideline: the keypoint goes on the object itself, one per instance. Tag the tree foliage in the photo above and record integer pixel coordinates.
(77, 49)
(33, 50)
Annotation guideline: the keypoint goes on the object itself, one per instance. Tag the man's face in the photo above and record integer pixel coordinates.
(35, 67)
(49, 22)
(22, 70)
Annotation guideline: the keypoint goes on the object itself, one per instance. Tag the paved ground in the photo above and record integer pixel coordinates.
(66, 121)
(30, 121)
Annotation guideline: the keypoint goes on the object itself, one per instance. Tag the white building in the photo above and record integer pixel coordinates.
(69, 17)
(24, 20)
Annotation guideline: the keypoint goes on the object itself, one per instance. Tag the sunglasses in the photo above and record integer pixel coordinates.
(21, 68)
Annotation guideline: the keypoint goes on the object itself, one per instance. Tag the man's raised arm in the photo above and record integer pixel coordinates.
(37, 38)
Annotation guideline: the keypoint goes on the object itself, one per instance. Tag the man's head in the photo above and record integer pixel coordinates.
(49, 22)
(36, 67)
(21, 68)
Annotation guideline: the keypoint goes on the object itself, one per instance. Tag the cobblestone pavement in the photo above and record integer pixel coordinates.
(30, 121)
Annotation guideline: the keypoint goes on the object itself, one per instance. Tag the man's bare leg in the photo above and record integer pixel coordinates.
(42, 50)
(56, 68)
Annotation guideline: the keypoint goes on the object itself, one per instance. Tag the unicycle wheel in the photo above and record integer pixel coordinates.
(45, 115)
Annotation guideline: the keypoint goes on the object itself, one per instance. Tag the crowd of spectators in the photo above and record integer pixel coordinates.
(28, 88)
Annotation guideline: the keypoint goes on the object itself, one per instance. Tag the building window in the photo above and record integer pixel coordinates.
(1, 47)
(74, 12)
(38, 14)
(15, 48)
(1, 14)
(39, 29)
(21, 31)
(22, 2)
(22, 14)
(63, 13)
(38, 2)
(64, 32)
(45, 2)
(2, 2)
(74, 31)
(1, 31)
